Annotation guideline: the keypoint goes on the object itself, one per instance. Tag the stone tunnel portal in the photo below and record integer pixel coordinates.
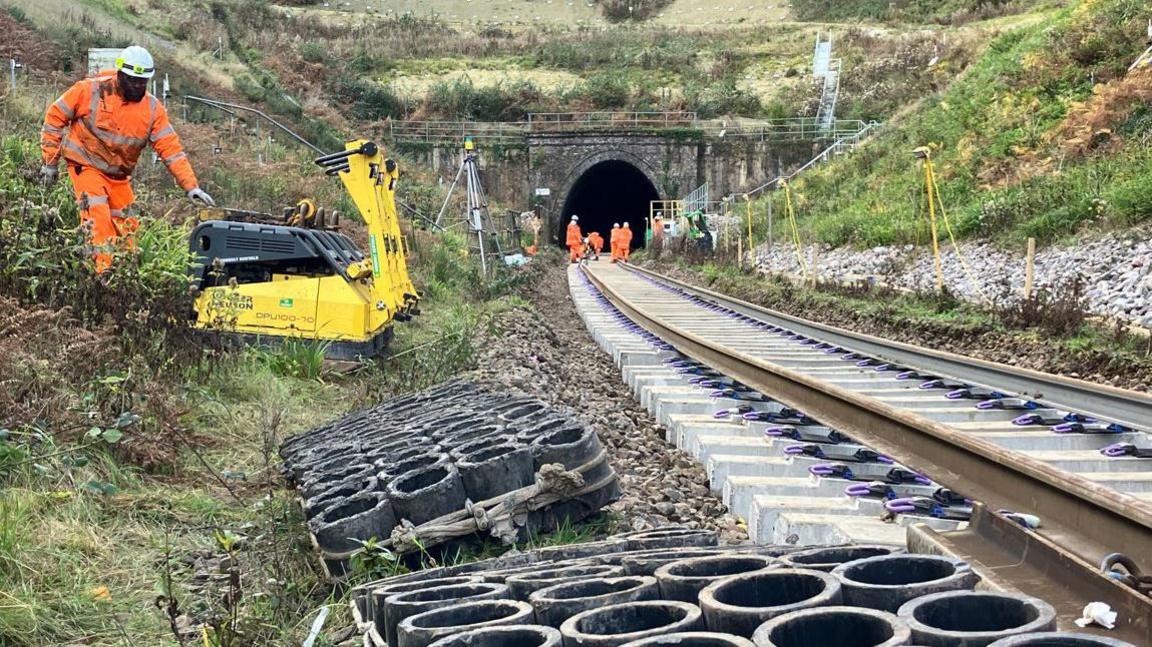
(609, 192)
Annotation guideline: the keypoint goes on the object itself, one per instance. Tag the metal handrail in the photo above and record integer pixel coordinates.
(229, 107)
(769, 129)
(836, 147)
(667, 119)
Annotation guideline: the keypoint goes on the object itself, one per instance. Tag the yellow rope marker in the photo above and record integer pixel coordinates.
(748, 203)
(952, 237)
(795, 230)
(925, 154)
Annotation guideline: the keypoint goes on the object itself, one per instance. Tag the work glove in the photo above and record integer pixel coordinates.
(49, 174)
(199, 194)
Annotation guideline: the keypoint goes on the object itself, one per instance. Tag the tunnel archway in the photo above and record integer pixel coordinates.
(607, 192)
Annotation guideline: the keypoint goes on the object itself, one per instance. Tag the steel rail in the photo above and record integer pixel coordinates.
(1129, 408)
(1082, 517)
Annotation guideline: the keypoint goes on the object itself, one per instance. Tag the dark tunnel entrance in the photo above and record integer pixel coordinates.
(610, 192)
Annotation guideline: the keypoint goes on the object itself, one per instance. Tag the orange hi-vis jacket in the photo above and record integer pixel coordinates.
(91, 125)
(575, 239)
(625, 238)
(596, 241)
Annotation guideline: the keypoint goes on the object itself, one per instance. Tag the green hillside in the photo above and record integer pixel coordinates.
(1045, 134)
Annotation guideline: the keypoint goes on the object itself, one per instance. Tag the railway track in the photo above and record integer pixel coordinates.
(964, 433)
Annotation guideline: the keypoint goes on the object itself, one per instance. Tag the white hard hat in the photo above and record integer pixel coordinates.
(136, 61)
(585, 239)
(615, 224)
(625, 223)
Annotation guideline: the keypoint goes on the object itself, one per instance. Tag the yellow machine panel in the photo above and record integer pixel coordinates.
(263, 281)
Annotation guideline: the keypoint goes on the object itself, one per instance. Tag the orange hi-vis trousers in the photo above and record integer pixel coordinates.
(102, 202)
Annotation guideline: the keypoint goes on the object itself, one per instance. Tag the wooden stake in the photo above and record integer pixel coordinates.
(1030, 268)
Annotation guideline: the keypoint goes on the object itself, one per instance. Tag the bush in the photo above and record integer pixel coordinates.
(1061, 312)
(314, 52)
(719, 99)
(18, 14)
(607, 90)
(461, 99)
(370, 101)
(620, 10)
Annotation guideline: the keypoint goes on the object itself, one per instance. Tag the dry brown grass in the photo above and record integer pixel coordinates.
(1088, 128)
(43, 353)
(23, 44)
(1089, 125)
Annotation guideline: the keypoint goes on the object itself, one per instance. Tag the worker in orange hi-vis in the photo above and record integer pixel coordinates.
(99, 127)
(575, 240)
(625, 241)
(597, 243)
(614, 242)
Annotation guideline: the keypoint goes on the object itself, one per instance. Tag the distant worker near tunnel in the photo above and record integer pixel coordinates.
(597, 243)
(575, 240)
(614, 242)
(99, 127)
(625, 241)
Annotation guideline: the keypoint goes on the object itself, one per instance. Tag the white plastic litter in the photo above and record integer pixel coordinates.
(515, 260)
(1099, 613)
(1030, 521)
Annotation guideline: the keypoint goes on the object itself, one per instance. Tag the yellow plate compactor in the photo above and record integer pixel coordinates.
(263, 283)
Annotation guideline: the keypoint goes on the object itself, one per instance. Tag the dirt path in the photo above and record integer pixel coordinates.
(549, 354)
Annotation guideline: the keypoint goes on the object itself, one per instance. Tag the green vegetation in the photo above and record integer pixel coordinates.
(620, 10)
(135, 457)
(940, 11)
(132, 453)
(1045, 134)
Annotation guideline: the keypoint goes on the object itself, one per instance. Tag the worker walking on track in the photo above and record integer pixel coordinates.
(625, 241)
(614, 242)
(99, 127)
(597, 243)
(575, 240)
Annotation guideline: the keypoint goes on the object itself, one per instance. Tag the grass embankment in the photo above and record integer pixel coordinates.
(318, 67)
(140, 496)
(1049, 333)
(130, 458)
(909, 11)
(1045, 135)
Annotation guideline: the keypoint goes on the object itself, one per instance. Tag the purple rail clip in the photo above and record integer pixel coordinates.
(901, 505)
(823, 469)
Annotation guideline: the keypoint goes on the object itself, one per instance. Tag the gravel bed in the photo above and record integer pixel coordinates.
(547, 353)
(1115, 270)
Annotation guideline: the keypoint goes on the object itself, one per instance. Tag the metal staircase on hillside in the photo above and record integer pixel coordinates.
(828, 68)
(842, 146)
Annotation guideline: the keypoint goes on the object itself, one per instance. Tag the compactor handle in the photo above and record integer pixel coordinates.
(340, 158)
